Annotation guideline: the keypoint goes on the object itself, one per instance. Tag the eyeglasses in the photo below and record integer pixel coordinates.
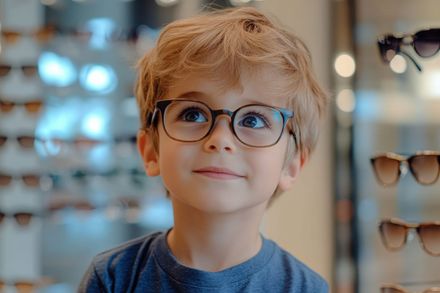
(33, 106)
(426, 43)
(30, 180)
(27, 70)
(25, 286)
(424, 166)
(68, 203)
(25, 141)
(22, 218)
(395, 288)
(394, 234)
(20, 286)
(254, 125)
(43, 34)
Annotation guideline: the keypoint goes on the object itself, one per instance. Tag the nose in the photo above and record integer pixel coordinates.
(221, 137)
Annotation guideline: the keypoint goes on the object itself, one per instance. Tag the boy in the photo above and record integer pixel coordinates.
(229, 111)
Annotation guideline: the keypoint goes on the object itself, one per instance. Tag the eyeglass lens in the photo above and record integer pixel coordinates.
(254, 125)
(427, 42)
(394, 235)
(424, 167)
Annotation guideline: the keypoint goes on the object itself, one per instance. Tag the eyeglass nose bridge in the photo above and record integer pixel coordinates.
(216, 113)
(219, 112)
(407, 40)
(403, 167)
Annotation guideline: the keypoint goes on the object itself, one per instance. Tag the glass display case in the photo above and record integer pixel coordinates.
(395, 109)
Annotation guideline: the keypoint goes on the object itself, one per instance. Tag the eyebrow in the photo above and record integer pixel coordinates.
(205, 98)
(192, 94)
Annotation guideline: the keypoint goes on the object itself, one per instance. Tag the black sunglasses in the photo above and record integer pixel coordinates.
(426, 43)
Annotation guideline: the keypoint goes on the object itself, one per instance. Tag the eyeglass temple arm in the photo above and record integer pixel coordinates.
(419, 68)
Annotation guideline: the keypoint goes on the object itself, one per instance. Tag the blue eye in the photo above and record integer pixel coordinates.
(254, 120)
(193, 114)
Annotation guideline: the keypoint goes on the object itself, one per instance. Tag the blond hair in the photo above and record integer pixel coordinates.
(226, 41)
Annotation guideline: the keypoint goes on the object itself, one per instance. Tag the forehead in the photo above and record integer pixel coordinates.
(264, 85)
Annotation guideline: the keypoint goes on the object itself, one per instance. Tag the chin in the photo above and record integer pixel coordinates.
(221, 204)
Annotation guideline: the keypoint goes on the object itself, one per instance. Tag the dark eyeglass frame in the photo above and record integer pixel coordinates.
(407, 226)
(394, 43)
(161, 106)
(402, 159)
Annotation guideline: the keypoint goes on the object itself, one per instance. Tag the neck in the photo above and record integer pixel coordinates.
(214, 242)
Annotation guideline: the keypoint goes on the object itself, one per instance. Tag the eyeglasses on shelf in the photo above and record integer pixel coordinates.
(426, 43)
(28, 70)
(398, 288)
(25, 141)
(394, 234)
(32, 106)
(21, 218)
(30, 180)
(42, 34)
(390, 167)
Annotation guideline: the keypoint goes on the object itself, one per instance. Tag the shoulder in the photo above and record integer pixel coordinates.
(126, 253)
(297, 275)
(112, 268)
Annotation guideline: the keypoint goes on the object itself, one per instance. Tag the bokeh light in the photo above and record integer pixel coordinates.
(346, 100)
(398, 64)
(98, 78)
(345, 65)
(56, 70)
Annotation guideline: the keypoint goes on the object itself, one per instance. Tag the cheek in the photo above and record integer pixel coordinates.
(267, 167)
(174, 160)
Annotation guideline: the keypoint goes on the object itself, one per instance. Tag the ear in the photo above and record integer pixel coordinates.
(291, 170)
(146, 150)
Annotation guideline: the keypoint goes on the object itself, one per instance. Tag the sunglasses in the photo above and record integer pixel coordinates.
(22, 218)
(426, 43)
(30, 180)
(67, 203)
(395, 288)
(25, 286)
(389, 167)
(43, 34)
(33, 106)
(25, 141)
(27, 70)
(394, 234)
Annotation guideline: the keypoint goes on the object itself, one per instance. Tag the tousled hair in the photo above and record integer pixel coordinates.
(227, 41)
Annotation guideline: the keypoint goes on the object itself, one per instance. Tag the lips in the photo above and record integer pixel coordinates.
(218, 173)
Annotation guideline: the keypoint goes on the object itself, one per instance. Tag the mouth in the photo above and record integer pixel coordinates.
(218, 173)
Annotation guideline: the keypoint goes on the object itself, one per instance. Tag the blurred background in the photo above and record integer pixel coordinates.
(72, 183)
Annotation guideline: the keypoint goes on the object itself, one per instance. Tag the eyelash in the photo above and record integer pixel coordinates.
(261, 116)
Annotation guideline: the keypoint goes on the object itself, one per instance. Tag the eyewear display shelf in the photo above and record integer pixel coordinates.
(71, 181)
(395, 112)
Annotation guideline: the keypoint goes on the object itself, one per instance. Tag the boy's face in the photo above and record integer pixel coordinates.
(219, 174)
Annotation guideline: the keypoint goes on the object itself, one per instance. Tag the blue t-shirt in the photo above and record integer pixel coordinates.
(146, 264)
